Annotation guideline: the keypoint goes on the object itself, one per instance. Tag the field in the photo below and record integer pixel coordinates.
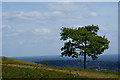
(14, 68)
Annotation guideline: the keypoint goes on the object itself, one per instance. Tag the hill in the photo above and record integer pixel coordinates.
(111, 57)
(6, 60)
(104, 62)
(14, 68)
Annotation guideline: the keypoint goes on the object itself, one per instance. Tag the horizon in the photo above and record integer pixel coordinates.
(64, 56)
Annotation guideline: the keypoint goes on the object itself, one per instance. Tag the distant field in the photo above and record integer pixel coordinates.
(14, 68)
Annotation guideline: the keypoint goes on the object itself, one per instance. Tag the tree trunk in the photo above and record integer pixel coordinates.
(84, 61)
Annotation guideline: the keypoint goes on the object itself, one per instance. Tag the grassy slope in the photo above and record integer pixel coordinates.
(15, 72)
(6, 60)
(45, 72)
(42, 72)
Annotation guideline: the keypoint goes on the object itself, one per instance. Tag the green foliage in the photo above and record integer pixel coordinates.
(83, 40)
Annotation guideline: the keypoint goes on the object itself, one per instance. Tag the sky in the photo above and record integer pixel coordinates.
(33, 28)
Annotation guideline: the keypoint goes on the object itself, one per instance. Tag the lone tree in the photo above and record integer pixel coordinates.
(83, 41)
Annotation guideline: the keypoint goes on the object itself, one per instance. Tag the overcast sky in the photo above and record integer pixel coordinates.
(33, 28)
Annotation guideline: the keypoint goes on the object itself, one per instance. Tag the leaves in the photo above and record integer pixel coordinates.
(83, 40)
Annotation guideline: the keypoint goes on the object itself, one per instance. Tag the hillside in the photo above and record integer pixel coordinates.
(14, 68)
(104, 62)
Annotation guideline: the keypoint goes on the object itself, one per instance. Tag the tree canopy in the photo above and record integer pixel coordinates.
(83, 41)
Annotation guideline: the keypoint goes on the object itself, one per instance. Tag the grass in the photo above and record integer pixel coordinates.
(85, 70)
(90, 73)
(44, 71)
(6, 60)
(15, 72)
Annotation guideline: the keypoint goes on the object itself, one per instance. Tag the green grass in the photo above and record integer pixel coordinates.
(6, 60)
(44, 71)
(93, 73)
(15, 72)
(85, 70)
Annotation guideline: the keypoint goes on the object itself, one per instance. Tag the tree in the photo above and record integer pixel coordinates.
(83, 41)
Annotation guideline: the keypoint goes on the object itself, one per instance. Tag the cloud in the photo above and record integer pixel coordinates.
(54, 13)
(76, 26)
(21, 15)
(90, 15)
(10, 31)
(39, 31)
(66, 6)
(93, 14)
(62, 10)
(5, 26)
